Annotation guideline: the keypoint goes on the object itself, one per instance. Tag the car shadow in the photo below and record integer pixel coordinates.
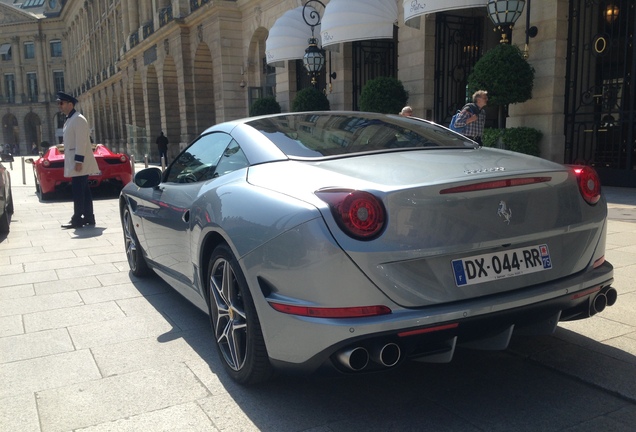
(545, 383)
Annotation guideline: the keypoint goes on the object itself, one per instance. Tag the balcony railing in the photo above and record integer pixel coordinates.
(134, 39)
(165, 16)
(148, 29)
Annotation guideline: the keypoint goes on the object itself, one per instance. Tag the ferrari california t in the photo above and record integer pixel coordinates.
(115, 169)
(358, 241)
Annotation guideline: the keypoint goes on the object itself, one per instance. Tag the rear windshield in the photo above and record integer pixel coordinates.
(332, 134)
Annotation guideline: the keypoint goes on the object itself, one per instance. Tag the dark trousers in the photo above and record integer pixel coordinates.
(476, 139)
(163, 153)
(82, 199)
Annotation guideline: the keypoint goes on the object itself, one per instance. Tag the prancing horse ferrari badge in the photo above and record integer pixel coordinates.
(504, 212)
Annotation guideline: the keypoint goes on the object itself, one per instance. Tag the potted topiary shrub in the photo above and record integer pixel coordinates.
(310, 99)
(520, 139)
(383, 95)
(505, 75)
(263, 106)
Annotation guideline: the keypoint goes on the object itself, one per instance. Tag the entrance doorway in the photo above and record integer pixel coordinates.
(600, 125)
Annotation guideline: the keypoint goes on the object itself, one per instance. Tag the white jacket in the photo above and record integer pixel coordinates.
(77, 146)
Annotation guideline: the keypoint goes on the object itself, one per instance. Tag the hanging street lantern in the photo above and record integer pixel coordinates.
(504, 14)
(314, 59)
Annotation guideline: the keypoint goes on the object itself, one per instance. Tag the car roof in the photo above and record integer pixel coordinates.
(318, 135)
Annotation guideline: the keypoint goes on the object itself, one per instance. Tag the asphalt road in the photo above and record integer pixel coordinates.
(86, 346)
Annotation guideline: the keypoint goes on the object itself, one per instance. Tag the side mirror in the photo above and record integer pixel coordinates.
(148, 178)
(29, 160)
(6, 157)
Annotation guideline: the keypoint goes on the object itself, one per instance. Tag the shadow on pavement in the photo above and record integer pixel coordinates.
(551, 383)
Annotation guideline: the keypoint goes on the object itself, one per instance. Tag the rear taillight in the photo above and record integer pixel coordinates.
(359, 214)
(322, 312)
(589, 183)
(123, 158)
(46, 163)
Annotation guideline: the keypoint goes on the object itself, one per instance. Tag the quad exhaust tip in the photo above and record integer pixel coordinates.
(388, 355)
(606, 297)
(354, 359)
(357, 358)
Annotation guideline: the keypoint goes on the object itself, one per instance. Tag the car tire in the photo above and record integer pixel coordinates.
(38, 191)
(134, 253)
(234, 320)
(10, 203)
(42, 196)
(4, 222)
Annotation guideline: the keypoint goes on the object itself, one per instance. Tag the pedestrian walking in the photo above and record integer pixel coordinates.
(162, 144)
(79, 161)
(472, 117)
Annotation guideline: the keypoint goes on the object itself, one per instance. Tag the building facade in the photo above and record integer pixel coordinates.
(139, 67)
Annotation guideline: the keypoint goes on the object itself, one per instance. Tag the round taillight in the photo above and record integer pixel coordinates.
(46, 163)
(589, 183)
(359, 214)
(123, 158)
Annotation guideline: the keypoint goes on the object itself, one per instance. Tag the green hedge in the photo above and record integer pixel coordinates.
(521, 139)
(310, 99)
(266, 105)
(383, 95)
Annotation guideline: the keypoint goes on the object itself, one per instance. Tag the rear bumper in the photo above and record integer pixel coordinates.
(432, 333)
(57, 182)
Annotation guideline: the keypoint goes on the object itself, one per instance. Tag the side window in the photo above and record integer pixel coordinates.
(29, 50)
(198, 162)
(233, 159)
(56, 48)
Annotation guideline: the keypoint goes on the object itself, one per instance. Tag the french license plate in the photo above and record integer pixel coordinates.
(499, 265)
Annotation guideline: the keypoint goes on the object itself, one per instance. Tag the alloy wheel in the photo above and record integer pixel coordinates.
(228, 313)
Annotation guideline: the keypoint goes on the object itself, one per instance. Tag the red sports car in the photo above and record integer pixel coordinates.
(115, 169)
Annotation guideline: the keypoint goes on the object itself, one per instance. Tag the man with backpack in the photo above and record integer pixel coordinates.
(471, 119)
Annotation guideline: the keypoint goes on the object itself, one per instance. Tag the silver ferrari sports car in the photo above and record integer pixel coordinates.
(358, 241)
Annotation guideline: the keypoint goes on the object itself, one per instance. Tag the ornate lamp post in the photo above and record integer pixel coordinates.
(504, 14)
(313, 59)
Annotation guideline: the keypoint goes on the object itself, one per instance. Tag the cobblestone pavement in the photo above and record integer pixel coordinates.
(86, 346)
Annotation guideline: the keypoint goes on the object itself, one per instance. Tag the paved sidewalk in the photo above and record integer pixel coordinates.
(86, 346)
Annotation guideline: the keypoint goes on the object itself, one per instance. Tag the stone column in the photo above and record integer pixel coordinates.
(16, 54)
(40, 55)
(125, 21)
(133, 15)
(145, 11)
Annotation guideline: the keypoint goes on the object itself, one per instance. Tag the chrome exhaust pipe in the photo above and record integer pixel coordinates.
(598, 303)
(611, 295)
(355, 359)
(388, 355)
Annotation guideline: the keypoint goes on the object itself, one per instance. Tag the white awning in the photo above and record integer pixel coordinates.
(353, 20)
(416, 8)
(288, 37)
(4, 49)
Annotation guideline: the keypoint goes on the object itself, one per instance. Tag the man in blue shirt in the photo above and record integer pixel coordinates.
(473, 116)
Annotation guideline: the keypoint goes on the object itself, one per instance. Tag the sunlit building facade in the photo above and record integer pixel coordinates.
(139, 67)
